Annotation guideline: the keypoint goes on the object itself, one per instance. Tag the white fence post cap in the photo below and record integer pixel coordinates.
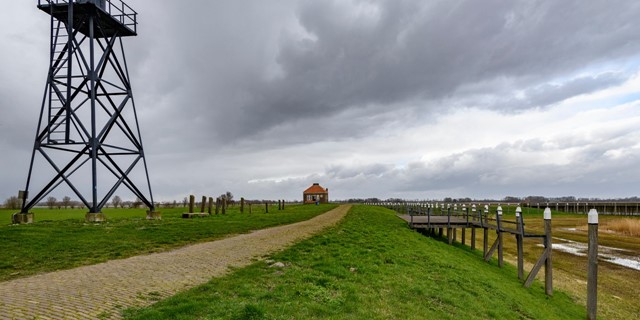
(518, 211)
(499, 210)
(547, 213)
(593, 216)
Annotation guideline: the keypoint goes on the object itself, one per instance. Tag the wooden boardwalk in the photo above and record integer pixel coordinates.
(432, 220)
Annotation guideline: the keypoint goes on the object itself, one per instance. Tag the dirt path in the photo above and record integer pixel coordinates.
(101, 291)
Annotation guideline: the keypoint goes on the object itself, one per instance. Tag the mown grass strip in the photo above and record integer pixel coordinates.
(371, 266)
(60, 239)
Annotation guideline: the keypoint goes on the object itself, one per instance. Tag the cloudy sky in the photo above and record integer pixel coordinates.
(370, 98)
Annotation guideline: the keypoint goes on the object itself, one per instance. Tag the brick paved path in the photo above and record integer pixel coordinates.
(101, 291)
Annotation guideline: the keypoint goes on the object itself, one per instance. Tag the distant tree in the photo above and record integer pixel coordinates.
(228, 196)
(12, 203)
(511, 199)
(137, 203)
(66, 201)
(447, 199)
(174, 204)
(184, 202)
(116, 201)
(51, 202)
(533, 200)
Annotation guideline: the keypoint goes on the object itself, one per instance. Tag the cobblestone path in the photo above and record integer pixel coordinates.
(101, 291)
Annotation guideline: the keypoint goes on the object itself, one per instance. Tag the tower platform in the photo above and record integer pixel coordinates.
(114, 17)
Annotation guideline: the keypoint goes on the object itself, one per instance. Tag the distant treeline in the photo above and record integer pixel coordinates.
(508, 199)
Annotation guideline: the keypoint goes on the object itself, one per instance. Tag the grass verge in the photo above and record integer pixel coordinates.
(371, 266)
(61, 239)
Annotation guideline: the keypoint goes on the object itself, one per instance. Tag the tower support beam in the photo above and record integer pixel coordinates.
(88, 135)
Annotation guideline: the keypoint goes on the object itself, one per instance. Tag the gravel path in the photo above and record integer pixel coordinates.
(101, 291)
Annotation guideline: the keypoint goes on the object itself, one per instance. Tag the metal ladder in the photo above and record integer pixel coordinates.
(58, 128)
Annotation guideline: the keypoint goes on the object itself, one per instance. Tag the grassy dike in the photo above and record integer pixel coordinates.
(371, 266)
(61, 239)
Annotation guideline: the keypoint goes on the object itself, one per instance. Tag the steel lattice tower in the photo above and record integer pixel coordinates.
(88, 127)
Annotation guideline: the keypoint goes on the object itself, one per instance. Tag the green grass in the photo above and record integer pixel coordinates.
(60, 239)
(370, 266)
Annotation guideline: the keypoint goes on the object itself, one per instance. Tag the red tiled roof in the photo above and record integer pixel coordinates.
(315, 188)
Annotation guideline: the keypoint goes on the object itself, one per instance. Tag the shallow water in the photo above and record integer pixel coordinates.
(622, 257)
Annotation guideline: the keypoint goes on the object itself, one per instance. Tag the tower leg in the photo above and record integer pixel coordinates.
(95, 217)
(22, 218)
(154, 215)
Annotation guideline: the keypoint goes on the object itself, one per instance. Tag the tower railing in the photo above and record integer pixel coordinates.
(118, 9)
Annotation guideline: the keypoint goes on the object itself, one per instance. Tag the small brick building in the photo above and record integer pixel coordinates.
(315, 193)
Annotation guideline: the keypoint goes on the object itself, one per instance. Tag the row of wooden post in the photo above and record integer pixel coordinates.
(221, 205)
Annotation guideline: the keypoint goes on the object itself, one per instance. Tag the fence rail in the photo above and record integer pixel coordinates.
(118, 9)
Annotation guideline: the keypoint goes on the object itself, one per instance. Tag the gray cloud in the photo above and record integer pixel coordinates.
(228, 82)
(395, 52)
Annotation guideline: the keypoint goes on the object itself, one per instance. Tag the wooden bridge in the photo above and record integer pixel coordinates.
(432, 219)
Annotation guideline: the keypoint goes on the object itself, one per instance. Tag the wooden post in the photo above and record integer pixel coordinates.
(449, 235)
(203, 204)
(485, 230)
(224, 205)
(499, 230)
(548, 266)
(250, 208)
(440, 232)
(545, 258)
(192, 200)
(473, 238)
(282, 204)
(241, 205)
(210, 205)
(266, 207)
(217, 205)
(473, 230)
(592, 266)
(519, 244)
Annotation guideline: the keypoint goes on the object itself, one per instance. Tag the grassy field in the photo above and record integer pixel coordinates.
(371, 266)
(60, 239)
